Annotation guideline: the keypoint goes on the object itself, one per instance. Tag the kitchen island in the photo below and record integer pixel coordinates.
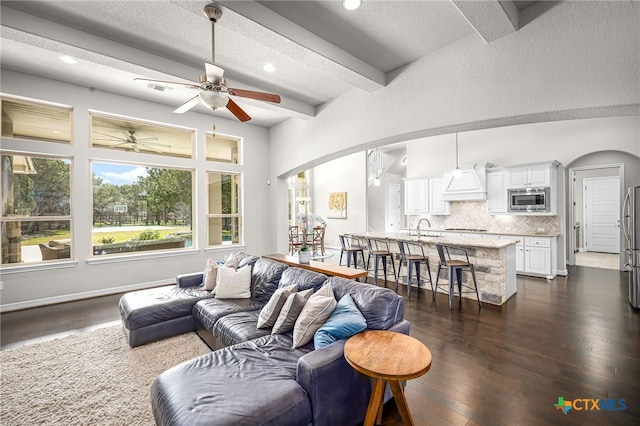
(494, 260)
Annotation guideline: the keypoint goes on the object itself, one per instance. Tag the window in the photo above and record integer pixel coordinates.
(36, 208)
(32, 120)
(223, 149)
(127, 134)
(140, 208)
(224, 220)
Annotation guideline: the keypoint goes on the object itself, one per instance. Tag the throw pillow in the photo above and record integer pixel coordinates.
(269, 314)
(314, 313)
(232, 262)
(345, 321)
(234, 284)
(290, 311)
(210, 275)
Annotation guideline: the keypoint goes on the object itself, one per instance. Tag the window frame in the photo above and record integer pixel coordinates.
(239, 214)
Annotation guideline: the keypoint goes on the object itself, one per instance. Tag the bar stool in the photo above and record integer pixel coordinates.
(413, 255)
(455, 267)
(352, 248)
(379, 249)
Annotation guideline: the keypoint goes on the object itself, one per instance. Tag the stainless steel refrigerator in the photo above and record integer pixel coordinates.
(631, 227)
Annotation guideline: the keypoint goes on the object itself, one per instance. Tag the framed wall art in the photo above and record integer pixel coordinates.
(337, 205)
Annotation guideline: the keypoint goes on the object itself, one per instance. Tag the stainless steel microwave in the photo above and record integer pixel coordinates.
(529, 200)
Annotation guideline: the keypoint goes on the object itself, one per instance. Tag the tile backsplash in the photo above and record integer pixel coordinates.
(473, 214)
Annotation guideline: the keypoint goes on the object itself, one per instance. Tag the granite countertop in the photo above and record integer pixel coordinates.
(492, 243)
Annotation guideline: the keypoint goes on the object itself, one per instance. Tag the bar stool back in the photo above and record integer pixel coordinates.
(455, 267)
(352, 247)
(379, 249)
(413, 255)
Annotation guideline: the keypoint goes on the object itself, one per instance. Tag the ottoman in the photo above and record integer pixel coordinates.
(158, 313)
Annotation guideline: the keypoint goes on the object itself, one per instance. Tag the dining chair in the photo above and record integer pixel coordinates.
(455, 268)
(294, 239)
(318, 240)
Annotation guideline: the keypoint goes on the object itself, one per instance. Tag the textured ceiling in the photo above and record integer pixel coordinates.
(320, 50)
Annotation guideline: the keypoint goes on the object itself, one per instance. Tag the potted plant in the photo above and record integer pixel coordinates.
(304, 255)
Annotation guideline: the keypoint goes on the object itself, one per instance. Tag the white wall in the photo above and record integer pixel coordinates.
(346, 174)
(82, 279)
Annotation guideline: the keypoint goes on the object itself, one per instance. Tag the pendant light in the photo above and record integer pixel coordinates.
(457, 172)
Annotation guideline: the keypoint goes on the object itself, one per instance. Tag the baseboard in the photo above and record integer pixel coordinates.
(79, 296)
(563, 272)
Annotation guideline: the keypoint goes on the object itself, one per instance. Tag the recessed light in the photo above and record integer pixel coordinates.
(351, 4)
(68, 59)
(269, 68)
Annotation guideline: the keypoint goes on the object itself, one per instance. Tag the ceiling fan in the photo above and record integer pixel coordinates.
(213, 89)
(136, 144)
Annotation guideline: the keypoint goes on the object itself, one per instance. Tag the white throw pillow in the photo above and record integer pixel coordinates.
(314, 313)
(234, 284)
(210, 275)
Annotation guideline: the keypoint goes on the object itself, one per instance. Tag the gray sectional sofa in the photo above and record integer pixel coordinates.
(254, 377)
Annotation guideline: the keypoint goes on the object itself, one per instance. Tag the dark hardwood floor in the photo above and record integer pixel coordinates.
(574, 337)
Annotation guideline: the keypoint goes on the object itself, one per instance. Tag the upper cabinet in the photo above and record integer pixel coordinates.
(497, 191)
(424, 195)
(533, 176)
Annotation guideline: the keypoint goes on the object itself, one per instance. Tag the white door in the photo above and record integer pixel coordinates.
(602, 214)
(393, 208)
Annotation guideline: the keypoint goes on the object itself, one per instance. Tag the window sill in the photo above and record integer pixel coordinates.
(97, 260)
(230, 247)
(31, 267)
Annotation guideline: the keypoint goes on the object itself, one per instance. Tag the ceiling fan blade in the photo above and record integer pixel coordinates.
(237, 111)
(187, 105)
(214, 73)
(192, 85)
(147, 146)
(136, 148)
(147, 139)
(261, 96)
(110, 136)
(110, 140)
(154, 144)
(121, 143)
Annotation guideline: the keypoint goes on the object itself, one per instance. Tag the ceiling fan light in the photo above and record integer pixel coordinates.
(351, 4)
(214, 100)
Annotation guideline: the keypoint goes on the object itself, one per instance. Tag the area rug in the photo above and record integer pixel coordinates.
(91, 378)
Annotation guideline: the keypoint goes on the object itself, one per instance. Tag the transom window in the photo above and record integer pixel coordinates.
(223, 149)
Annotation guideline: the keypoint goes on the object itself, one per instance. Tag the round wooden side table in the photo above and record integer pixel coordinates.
(387, 356)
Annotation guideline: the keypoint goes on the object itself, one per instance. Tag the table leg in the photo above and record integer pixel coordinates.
(375, 402)
(401, 402)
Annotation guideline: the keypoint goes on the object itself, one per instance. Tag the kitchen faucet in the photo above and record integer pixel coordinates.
(420, 223)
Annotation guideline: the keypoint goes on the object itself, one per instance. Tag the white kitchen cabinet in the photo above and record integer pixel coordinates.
(436, 204)
(531, 176)
(424, 196)
(536, 256)
(520, 257)
(416, 196)
(496, 191)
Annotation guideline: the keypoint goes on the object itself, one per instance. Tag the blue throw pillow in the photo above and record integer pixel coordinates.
(345, 321)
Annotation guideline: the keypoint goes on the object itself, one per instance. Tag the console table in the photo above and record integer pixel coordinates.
(387, 356)
(321, 267)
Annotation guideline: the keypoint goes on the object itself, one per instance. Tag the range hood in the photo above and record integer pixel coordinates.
(470, 185)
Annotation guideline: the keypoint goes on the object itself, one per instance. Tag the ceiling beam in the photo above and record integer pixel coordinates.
(264, 26)
(491, 19)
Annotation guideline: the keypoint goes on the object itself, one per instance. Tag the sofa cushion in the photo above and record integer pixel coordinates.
(269, 314)
(345, 321)
(233, 284)
(290, 311)
(304, 278)
(151, 306)
(211, 310)
(314, 313)
(265, 277)
(380, 306)
(239, 327)
(253, 383)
